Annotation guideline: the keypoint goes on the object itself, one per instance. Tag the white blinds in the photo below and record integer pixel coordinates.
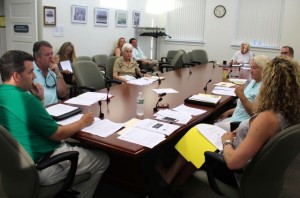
(186, 21)
(259, 23)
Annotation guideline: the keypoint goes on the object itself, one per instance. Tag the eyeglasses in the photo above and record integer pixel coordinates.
(50, 82)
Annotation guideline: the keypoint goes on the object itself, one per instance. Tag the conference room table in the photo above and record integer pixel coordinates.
(129, 160)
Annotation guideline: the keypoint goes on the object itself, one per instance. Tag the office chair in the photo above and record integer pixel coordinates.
(84, 58)
(100, 60)
(186, 61)
(169, 57)
(264, 175)
(199, 56)
(110, 62)
(175, 64)
(89, 77)
(19, 174)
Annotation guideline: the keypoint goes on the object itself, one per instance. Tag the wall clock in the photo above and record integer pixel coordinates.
(220, 11)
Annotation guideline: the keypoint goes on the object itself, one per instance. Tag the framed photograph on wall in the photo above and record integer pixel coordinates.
(101, 17)
(136, 16)
(79, 14)
(121, 18)
(49, 15)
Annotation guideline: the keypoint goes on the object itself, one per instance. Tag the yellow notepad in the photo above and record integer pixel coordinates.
(193, 145)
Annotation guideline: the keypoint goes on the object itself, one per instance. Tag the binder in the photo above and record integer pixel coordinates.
(62, 111)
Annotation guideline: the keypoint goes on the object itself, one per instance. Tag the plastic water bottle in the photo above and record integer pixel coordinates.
(140, 104)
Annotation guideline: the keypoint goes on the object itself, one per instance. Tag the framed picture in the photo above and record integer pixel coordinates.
(49, 15)
(101, 17)
(79, 14)
(136, 16)
(121, 18)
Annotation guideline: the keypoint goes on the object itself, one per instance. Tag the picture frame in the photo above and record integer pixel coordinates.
(49, 15)
(101, 17)
(136, 17)
(121, 18)
(79, 14)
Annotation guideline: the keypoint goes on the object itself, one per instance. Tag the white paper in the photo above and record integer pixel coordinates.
(88, 98)
(190, 110)
(225, 84)
(179, 117)
(142, 137)
(156, 126)
(212, 133)
(66, 65)
(60, 109)
(238, 80)
(227, 91)
(166, 90)
(206, 98)
(103, 128)
(70, 119)
(141, 81)
(128, 77)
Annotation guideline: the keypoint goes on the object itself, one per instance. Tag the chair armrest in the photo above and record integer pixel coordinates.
(234, 125)
(164, 59)
(167, 67)
(188, 64)
(196, 62)
(87, 88)
(72, 156)
(109, 81)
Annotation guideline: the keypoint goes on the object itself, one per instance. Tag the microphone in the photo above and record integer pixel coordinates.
(159, 81)
(229, 73)
(107, 98)
(162, 94)
(137, 73)
(205, 88)
(101, 115)
(155, 109)
(213, 62)
(189, 69)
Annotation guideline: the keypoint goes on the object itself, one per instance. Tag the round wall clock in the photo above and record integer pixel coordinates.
(220, 11)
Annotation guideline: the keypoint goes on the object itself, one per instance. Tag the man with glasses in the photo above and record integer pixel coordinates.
(47, 73)
(287, 51)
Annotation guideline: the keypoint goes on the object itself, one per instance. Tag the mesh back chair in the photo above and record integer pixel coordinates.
(19, 174)
(100, 60)
(175, 64)
(264, 175)
(199, 56)
(84, 58)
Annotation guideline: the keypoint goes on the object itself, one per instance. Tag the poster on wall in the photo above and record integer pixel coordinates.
(49, 15)
(101, 17)
(136, 16)
(121, 18)
(79, 14)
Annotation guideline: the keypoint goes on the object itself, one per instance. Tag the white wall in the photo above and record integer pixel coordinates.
(89, 39)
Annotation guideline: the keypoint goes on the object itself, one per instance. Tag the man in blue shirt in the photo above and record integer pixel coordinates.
(47, 73)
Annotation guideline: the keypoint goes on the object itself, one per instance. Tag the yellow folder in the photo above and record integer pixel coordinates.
(193, 145)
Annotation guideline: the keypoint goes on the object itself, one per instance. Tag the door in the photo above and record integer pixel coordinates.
(21, 24)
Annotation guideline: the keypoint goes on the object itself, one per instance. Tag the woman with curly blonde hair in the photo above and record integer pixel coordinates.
(277, 106)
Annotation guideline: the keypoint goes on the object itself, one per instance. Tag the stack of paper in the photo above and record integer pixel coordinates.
(206, 98)
(88, 98)
(142, 81)
(171, 116)
(225, 84)
(192, 111)
(227, 91)
(148, 132)
(102, 128)
(238, 80)
(62, 111)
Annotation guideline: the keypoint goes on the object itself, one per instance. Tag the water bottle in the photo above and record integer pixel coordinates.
(140, 104)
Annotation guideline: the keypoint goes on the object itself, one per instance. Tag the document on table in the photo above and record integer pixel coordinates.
(207, 98)
(212, 133)
(227, 91)
(142, 81)
(60, 109)
(238, 80)
(128, 77)
(88, 98)
(156, 126)
(166, 90)
(170, 116)
(225, 84)
(66, 65)
(102, 128)
(142, 137)
(190, 110)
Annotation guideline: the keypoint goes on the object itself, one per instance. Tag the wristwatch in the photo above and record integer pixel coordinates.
(227, 142)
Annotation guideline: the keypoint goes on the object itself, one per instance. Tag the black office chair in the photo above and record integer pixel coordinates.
(19, 174)
(264, 175)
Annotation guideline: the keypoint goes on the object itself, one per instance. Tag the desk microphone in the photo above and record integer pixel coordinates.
(229, 73)
(159, 81)
(101, 115)
(137, 73)
(107, 98)
(155, 109)
(213, 62)
(205, 88)
(189, 69)
(162, 94)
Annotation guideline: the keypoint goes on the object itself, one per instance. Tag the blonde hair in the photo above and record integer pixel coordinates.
(119, 41)
(261, 60)
(280, 89)
(62, 52)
